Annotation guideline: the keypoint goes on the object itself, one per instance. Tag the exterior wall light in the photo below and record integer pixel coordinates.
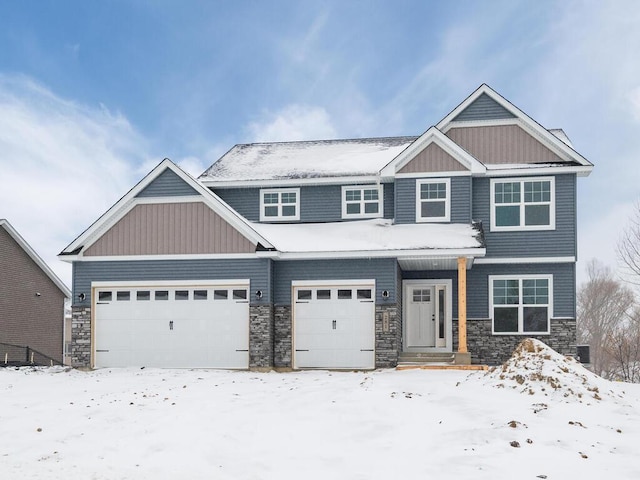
(258, 294)
(385, 294)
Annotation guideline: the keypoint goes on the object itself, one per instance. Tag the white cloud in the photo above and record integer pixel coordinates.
(63, 165)
(293, 122)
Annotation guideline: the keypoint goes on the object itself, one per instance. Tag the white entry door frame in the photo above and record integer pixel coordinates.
(427, 320)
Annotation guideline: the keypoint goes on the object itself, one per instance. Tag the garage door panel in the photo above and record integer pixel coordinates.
(334, 326)
(179, 327)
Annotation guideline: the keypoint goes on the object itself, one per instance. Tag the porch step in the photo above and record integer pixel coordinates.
(424, 358)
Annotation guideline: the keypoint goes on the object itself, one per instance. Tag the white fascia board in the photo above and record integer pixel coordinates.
(520, 260)
(581, 171)
(433, 135)
(530, 124)
(129, 200)
(441, 252)
(329, 283)
(130, 258)
(35, 257)
(435, 174)
(295, 182)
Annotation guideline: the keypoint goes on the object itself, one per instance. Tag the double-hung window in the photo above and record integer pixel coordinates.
(362, 201)
(521, 304)
(523, 204)
(433, 200)
(280, 204)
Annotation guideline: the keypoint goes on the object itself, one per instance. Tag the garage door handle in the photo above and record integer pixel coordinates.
(242, 350)
(334, 324)
(170, 324)
(301, 350)
(101, 351)
(366, 349)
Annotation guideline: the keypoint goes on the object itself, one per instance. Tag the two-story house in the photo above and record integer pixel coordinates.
(351, 254)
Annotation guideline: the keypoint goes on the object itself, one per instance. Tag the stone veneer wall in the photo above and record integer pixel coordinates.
(81, 337)
(388, 341)
(489, 349)
(282, 354)
(260, 336)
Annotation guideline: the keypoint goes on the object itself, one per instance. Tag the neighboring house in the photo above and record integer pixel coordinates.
(347, 254)
(32, 301)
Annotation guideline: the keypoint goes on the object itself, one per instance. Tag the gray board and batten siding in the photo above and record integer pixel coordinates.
(258, 270)
(167, 184)
(318, 203)
(483, 108)
(560, 242)
(383, 270)
(460, 197)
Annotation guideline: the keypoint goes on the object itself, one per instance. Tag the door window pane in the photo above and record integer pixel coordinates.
(162, 295)
(123, 296)
(323, 295)
(240, 294)
(199, 294)
(182, 295)
(344, 294)
(220, 294)
(142, 295)
(304, 294)
(105, 296)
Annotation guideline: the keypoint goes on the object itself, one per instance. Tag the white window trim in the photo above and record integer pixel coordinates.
(520, 305)
(362, 202)
(522, 227)
(447, 201)
(280, 217)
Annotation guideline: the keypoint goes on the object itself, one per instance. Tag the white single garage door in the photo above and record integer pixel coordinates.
(201, 326)
(334, 325)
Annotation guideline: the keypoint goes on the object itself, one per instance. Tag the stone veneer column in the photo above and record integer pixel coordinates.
(260, 336)
(282, 337)
(81, 337)
(388, 336)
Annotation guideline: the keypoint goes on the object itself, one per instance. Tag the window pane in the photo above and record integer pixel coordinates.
(352, 195)
(353, 208)
(433, 191)
(432, 209)
(370, 208)
(323, 294)
(508, 216)
(182, 295)
(199, 294)
(220, 294)
(270, 198)
(123, 296)
(105, 296)
(535, 319)
(507, 192)
(535, 291)
(344, 294)
(304, 294)
(162, 295)
(505, 319)
(288, 197)
(288, 211)
(270, 211)
(506, 292)
(240, 294)
(364, 294)
(371, 195)
(537, 191)
(536, 215)
(421, 295)
(143, 295)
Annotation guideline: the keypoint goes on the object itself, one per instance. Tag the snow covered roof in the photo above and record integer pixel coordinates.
(378, 235)
(307, 159)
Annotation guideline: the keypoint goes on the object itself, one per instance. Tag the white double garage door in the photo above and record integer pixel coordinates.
(206, 325)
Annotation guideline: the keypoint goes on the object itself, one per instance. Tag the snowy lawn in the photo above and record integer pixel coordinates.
(193, 424)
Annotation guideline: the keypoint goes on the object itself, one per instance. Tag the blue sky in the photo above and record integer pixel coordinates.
(94, 94)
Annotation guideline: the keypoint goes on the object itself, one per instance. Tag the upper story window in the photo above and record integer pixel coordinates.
(362, 201)
(433, 200)
(523, 204)
(520, 304)
(280, 204)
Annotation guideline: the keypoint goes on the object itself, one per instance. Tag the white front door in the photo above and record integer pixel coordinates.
(427, 317)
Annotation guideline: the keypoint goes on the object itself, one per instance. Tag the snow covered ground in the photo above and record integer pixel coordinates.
(540, 416)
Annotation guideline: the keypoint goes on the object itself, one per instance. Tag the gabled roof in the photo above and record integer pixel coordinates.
(35, 257)
(513, 113)
(136, 195)
(433, 135)
(305, 160)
